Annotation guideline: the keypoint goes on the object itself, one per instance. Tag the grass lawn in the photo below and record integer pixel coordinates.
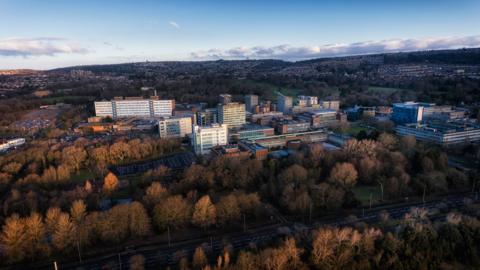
(353, 131)
(81, 176)
(362, 193)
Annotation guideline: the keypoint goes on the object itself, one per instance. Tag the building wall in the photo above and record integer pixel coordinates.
(176, 127)
(134, 107)
(250, 102)
(232, 114)
(204, 138)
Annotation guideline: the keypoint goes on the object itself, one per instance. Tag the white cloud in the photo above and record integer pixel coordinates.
(38, 46)
(288, 52)
(174, 24)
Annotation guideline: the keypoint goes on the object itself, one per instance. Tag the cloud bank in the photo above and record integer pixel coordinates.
(41, 46)
(292, 53)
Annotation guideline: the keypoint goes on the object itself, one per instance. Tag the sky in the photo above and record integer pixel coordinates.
(45, 34)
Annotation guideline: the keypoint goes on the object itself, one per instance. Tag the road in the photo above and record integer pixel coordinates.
(163, 255)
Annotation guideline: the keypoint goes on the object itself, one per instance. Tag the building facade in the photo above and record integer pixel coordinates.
(250, 102)
(320, 118)
(284, 103)
(443, 133)
(138, 107)
(231, 114)
(204, 138)
(207, 117)
(175, 127)
(408, 112)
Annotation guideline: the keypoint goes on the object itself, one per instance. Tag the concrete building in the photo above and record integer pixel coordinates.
(443, 133)
(231, 114)
(137, 106)
(285, 127)
(250, 131)
(250, 102)
(409, 112)
(330, 104)
(175, 127)
(224, 98)
(307, 100)
(284, 103)
(207, 117)
(204, 138)
(320, 118)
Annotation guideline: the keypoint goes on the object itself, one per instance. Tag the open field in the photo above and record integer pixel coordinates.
(362, 193)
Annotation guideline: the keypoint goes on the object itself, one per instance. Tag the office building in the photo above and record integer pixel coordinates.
(207, 117)
(134, 106)
(250, 131)
(284, 103)
(330, 104)
(285, 127)
(443, 133)
(204, 138)
(231, 114)
(224, 98)
(175, 127)
(320, 118)
(409, 112)
(307, 100)
(250, 102)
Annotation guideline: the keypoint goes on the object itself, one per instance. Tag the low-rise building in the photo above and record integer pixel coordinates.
(285, 127)
(320, 118)
(251, 131)
(443, 133)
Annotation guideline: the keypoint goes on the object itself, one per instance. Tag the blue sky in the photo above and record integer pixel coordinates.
(53, 33)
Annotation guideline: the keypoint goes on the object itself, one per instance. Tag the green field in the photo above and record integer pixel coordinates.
(353, 131)
(362, 193)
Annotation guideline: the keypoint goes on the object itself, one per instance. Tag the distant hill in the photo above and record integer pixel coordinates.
(469, 56)
(19, 72)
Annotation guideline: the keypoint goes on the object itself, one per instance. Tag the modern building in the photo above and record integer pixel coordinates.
(264, 118)
(284, 103)
(134, 106)
(231, 114)
(175, 127)
(251, 131)
(207, 117)
(250, 102)
(409, 112)
(320, 118)
(224, 98)
(285, 127)
(283, 139)
(204, 138)
(443, 133)
(330, 104)
(307, 100)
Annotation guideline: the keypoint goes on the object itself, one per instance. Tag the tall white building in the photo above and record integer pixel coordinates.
(204, 138)
(231, 114)
(139, 107)
(175, 127)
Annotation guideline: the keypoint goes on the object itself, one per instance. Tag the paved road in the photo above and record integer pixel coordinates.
(162, 255)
